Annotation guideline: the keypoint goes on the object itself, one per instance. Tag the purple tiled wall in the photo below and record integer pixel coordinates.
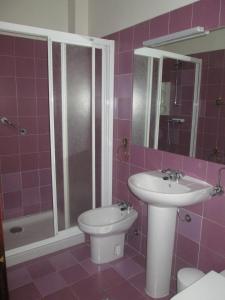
(200, 243)
(25, 173)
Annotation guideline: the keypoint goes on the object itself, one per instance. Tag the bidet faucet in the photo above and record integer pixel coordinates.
(173, 175)
(123, 205)
(218, 188)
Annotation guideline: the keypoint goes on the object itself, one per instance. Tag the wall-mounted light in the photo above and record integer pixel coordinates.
(176, 37)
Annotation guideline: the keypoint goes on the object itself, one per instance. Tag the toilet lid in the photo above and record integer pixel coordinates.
(210, 287)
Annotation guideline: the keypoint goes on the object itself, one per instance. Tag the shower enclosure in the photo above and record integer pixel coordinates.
(56, 103)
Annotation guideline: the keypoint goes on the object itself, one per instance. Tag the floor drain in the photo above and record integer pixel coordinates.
(16, 229)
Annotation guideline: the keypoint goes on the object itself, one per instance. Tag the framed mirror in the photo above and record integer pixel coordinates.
(179, 97)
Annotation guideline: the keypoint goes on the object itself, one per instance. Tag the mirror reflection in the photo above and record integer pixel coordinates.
(179, 97)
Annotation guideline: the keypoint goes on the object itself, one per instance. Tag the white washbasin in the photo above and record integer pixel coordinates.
(150, 187)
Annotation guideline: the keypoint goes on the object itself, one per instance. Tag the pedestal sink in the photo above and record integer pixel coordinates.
(164, 197)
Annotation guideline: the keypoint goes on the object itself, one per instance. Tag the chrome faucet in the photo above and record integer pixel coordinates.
(173, 175)
(124, 205)
(218, 188)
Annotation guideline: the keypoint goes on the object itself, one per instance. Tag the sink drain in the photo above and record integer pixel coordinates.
(16, 229)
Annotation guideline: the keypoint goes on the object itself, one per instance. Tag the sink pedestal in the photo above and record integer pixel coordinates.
(161, 234)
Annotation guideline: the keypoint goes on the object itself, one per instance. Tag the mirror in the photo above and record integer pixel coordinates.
(179, 97)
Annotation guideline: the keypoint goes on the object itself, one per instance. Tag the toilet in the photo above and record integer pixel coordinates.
(188, 276)
(107, 227)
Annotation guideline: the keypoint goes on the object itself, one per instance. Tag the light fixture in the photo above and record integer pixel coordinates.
(176, 37)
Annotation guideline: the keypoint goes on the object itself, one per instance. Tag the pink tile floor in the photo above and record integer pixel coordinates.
(70, 275)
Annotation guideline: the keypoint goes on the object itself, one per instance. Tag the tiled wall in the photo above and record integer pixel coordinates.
(25, 172)
(200, 243)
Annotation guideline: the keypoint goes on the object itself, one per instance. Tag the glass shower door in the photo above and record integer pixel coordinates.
(77, 100)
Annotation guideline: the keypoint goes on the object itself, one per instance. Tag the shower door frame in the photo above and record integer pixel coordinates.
(65, 238)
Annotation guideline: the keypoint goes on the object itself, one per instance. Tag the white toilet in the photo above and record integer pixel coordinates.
(107, 227)
(188, 276)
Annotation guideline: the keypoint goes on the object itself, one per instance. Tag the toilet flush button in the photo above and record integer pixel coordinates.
(118, 250)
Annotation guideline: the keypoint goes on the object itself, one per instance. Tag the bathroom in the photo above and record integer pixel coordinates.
(200, 230)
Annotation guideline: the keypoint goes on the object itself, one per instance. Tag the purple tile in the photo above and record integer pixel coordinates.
(63, 260)
(28, 144)
(206, 13)
(42, 107)
(187, 250)
(180, 19)
(6, 45)
(29, 161)
(190, 230)
(138, 156)
(126, 39)
(122, 171)
(45, 176)
(213, 237)
(141, 33)
(27, 107)
(138, 282)
(44, 142)
(11, 182)
(46, 193)
(212, 173)
(26, 87)
(74, 274)
(214, 210)
(125, 291)
(124, 86)
(26, 292)
(122, 190)
(7, 87)
(30, 179)
(124, 108)
(18, 277)
(126, 62)
(159, 26)
(195, 167)
(30, 196)
(128, 268)
(7, 64)
(153, 159)
(92, 268)
(81, 252)
(40, 269)
(41, 68)
(49, 284)
(124, 129)
(140, 259)
(62, 294)
(24, 47)
(172, 161)
(41, 49)
(24, 67)
(209, 260)
(44, 160)
(10, 164)
(42, 87)
(12, 200)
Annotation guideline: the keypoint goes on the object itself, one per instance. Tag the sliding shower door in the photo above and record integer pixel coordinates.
(77, 86)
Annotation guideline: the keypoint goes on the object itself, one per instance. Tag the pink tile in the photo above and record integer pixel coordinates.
(187, 250)
(46, 193)
(45, 176)
(124, 129)
(74, 274)
(81, 253)
(7, 64)
(6, 45)
(41, 68)
(126, 39)
(209, 260)
(26, 292)
(49, 284)
(180, 19)
(8, 106)
(28, 144)
(62, 260)
(125, 291)
(172, 161)
(212, 173)
(32, 209)
(9, 145)
(11, 182)
(141, 33)
(159, 26)
(213, 237)
(26, 87)
(29, 161)
(40, 268)
(140, 259)
(31, 196)
(27, 107)
(7, 87)
(206, 13)
(18, 278)
(138, 156)
(190, 230)
(126, 62)
(10, 163)
(12, 200)
(24, 47)
(195, 167)
(122, 191)
(43, 125)
(24, 67)
(62, 294)
(153, 159)
(44, 142)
